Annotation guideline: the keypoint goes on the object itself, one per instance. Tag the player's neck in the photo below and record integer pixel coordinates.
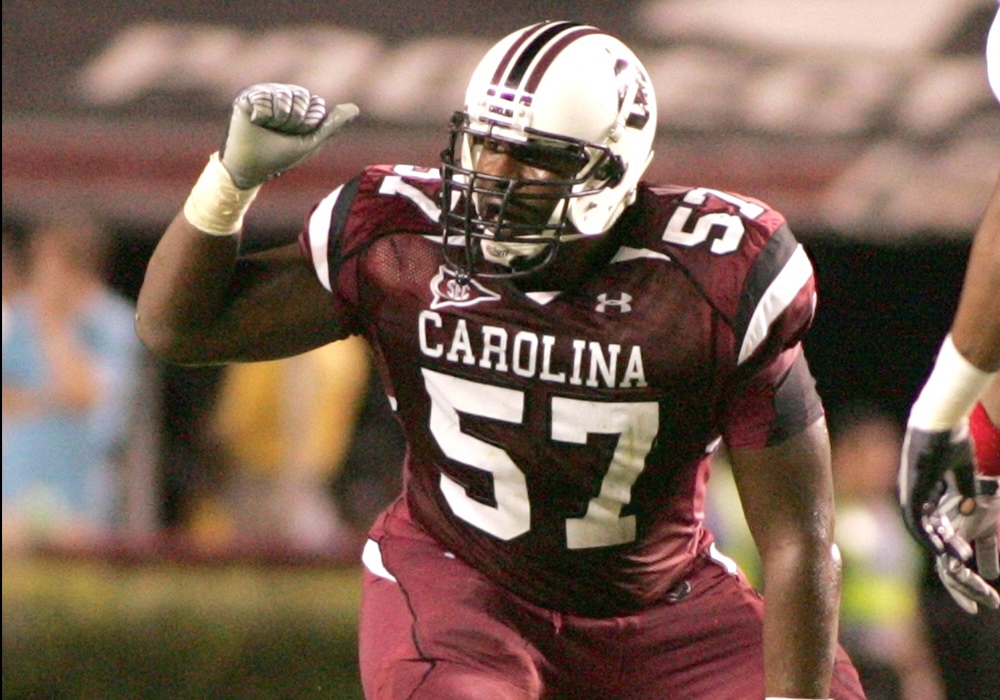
(574, 263)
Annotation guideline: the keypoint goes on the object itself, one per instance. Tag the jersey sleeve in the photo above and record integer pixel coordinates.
(361, 216)
(343, 225)
(777, 302)
(324, 231)
(776, 403)
(774, 395)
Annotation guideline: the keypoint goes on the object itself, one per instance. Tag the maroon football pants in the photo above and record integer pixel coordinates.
(433, 628)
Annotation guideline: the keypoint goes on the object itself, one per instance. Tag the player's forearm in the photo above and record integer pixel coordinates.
(970, 355)
(976, 328)
(184, 293)
(801, 603)
(195, 306)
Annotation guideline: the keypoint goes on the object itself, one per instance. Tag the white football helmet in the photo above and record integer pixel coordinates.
(993, 55)
(554, 90)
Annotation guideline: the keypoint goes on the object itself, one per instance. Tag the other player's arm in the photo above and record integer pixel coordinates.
(936, 467)
(200, 302)
(970, 354)
(969, 357)
(787, 496)
(976, 327)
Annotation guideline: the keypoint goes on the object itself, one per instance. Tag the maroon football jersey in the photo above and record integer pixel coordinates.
(559, 442)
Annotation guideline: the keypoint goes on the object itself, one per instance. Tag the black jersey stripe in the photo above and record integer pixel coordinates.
(797, 404)
(766, 267)
(769, 264)
(338, 217)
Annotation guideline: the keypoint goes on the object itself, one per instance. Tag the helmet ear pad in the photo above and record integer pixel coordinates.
(594, 214)
(612, 170)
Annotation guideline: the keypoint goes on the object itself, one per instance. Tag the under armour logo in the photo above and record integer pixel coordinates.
(622, 304)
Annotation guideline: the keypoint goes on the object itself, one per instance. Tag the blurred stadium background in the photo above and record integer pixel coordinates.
(869, 123)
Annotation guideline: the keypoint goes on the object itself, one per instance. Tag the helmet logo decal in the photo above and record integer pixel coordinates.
(623, 304)
(629, 75)
(448, 290)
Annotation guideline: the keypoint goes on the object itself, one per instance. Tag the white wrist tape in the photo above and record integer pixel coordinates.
(950, 392)
(216, 205)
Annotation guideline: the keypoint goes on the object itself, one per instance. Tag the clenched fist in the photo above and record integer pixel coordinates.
(274, 127)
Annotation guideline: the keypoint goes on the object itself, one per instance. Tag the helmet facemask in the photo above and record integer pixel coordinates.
(491, 220)
(557, 96)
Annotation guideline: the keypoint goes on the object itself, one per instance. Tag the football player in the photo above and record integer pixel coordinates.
(565, 346)
(951, 506)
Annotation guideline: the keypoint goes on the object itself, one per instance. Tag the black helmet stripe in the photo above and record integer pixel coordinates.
(543, 63)
(512, 51)
(530, 51)
(537, 42)
(514, 48)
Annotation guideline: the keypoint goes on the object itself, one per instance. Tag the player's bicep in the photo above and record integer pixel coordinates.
(786, 490)
(775, 431)
(278, 296)
(777, 402)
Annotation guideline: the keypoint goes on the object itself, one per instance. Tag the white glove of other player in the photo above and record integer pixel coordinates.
(966, 524)
(947, 509)
(276, 126)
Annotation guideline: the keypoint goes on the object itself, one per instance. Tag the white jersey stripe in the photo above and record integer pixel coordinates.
(319, 236)
(728, 563)
(371, 557)
(626, 253)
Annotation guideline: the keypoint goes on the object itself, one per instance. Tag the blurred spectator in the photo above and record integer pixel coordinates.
(13, 270)
(284, 428)
(880, 624)
(69, 365)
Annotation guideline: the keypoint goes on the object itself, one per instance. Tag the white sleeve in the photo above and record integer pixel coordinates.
(319, 223)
